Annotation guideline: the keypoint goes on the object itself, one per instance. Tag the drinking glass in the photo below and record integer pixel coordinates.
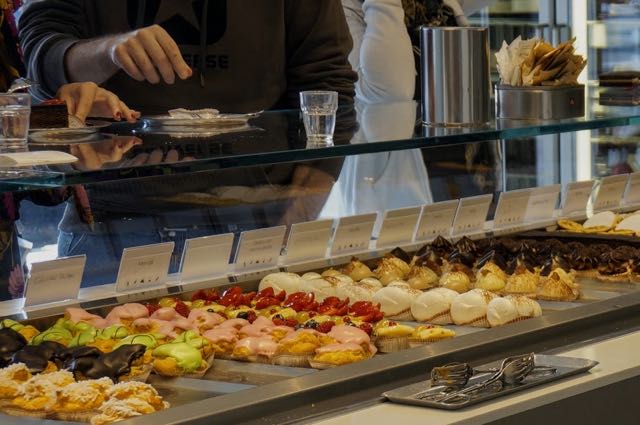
(14, 121)
(319, 115)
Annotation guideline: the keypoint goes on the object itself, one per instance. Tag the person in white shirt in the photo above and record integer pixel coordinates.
(386, 41)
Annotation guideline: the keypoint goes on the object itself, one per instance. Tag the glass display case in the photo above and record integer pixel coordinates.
(140, 186)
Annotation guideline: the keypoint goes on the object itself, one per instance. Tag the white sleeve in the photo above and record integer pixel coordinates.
(382, 53)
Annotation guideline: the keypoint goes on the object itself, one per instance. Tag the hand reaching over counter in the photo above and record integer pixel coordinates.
(84, 99)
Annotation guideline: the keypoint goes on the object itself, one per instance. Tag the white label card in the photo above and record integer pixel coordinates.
(206, 256)
(398, 226)
(436, 220)
(542, 203)
(610, 192)
(576, 198)
(511, 209)
(144, 267)
(54, 281)
(632, 195)
(353, 234)
(260, 248)
(309, 241)
(471, 214)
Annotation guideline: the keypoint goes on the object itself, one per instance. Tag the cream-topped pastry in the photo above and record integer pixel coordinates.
(357, 270)
(355, 292)
(391, 268)
(82, 396)
(125, 314)
(246, 348)
(234, 323)
(421, 277)
(558, 286)
(116, 410)
(371, 282)
(12, 378)
(322, 288)
(77, 314)
(311, 275)
(281, 281)
(204, 320)
(512, 308)
(470, 308)
(395, 302)
(349, 334)
(434, 306)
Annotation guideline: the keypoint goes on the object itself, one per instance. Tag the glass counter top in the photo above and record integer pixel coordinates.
(135, 151)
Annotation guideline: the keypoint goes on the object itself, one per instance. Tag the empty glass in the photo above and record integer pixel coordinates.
(14, 121)
(319, 115)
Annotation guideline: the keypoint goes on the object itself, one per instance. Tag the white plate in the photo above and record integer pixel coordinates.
(217, 121)
(29, 159)
(92, 126)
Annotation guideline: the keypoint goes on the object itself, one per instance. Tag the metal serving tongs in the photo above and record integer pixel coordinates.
(456, 375)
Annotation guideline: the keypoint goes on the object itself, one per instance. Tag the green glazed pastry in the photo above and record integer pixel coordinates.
(60, 335)
(187, 358)
(148, 340)
(113, 332)
(11, 324)
(84, 338)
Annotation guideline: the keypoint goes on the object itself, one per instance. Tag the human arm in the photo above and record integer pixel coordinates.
(61, 45)
(382, 52)
(318, 44)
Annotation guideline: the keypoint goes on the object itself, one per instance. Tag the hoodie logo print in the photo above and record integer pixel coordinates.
(181, 18)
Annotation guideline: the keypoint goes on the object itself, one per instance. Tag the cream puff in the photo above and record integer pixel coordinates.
(470, 308)
(510, 309)
(434, 306)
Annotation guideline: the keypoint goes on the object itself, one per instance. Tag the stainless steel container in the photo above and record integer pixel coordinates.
(539, 102)
(456, 84)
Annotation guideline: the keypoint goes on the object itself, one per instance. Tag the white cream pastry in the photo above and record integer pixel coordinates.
(372, 283)
(395, 302)
(512, 308)
(281, 281)
(311, 275)
(470, 308)
(321, 288)
(631, 222)
(434, 306)
(355, 292)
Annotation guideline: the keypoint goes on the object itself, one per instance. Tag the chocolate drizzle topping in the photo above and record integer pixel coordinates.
(493, 257)
(401, 254)
(111, 365)
(10, 342)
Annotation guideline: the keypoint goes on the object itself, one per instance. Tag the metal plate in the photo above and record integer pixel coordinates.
(565, 367)
(91, 126)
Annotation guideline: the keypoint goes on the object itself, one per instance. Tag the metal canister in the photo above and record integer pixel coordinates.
(456, 83)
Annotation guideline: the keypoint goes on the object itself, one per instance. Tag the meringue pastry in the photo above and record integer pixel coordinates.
(281, 281)
(510, 309)
(422, 277)
(470, 308)
(395, 302)
(434, 306)
(357, 270)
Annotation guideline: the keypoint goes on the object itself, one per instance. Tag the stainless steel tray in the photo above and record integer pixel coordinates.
(565, 367)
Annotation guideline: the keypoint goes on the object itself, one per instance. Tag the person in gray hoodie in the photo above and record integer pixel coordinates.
(236, 56)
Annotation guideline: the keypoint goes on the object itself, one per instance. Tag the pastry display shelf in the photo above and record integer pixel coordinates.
(278, 137)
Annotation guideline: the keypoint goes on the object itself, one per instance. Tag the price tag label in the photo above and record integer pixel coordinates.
(398, 226)
(309, 241)
(632, 194)
(512, 208)
(542, 203)
(576, 198)
(260, 248)
(610, 193)
(144, 267)
(54, 281)
(206, 256)
(436, 220)
(353, 234)
(471, 214)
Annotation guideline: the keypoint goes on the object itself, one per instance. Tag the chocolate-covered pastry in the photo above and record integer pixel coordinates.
(459, 257)
(466, 245)
(121, 359)
(401, 254)
(519, 262)
(10, 342)
(554, 262)
(111, 365)
(494, 257)
(441, 246)
(616, 264)
(70, 354)
(430, 260)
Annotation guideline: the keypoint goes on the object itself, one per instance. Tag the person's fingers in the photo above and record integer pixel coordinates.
(158, 56)
(172, 156)
(155, 157)
(113, 103)
(172, 52)
(140, 159)
(86, 95)
(128, 114)
(123, 59)
(142, 60)
(65, 94)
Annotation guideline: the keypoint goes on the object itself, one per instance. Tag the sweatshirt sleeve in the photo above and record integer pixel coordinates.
(318, 45)
(382, 55)
(48, 28)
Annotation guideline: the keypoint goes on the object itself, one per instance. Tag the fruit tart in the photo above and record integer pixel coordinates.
(390, 336)
(298, 348)
(427, 334)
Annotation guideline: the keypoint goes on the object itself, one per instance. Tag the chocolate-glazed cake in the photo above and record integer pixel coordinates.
(49, 114)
